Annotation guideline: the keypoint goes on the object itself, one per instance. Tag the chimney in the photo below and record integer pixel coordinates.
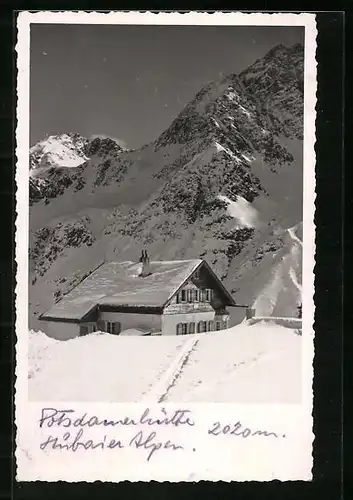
(145, 271)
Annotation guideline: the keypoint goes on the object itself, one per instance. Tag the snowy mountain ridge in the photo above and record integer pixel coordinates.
(223, 182)
(61, 150)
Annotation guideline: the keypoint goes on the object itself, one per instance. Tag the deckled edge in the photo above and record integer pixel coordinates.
(21, 225)
(165, 17)
(22, 131)
(311, 116)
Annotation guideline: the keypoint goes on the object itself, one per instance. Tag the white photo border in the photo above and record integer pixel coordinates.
(292, 459)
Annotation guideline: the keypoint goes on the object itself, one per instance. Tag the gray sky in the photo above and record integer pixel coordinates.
(130, 82)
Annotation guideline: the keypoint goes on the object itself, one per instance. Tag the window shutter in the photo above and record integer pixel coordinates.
(201, 327)
(113, 327)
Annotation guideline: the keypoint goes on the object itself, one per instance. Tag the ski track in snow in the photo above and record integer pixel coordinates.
(159, 391)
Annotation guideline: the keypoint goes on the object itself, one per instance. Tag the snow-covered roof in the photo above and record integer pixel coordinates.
(120, 284)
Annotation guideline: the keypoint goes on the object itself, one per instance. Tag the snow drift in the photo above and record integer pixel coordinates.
(245, 364)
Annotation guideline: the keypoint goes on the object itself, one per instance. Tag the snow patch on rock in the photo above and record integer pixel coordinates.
(216, 122)
(241, 210)
(246, 158)
(221, 148)
(245, 111)
(58, 151)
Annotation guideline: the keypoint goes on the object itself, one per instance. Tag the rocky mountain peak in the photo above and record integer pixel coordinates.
(62, 150)
(266, 96)
(222, 182)
(102, 146)
(70, 150)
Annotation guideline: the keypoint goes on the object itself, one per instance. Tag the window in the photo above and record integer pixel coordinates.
(197, 274)
(182, 329)
(191, 327)
(210, 326)
(218, 325)
(187, 296)
(224, 324)
(202, 326)
(208, 295)
(113, 327)
(202, 295)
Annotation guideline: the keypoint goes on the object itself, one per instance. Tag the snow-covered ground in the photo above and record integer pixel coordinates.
(259, 363)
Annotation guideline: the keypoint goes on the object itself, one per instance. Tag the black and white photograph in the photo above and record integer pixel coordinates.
(169, 209)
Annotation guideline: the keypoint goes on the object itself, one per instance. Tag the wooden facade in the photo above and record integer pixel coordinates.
(197, 307)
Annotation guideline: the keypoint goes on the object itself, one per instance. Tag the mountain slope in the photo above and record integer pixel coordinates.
(223, 182)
